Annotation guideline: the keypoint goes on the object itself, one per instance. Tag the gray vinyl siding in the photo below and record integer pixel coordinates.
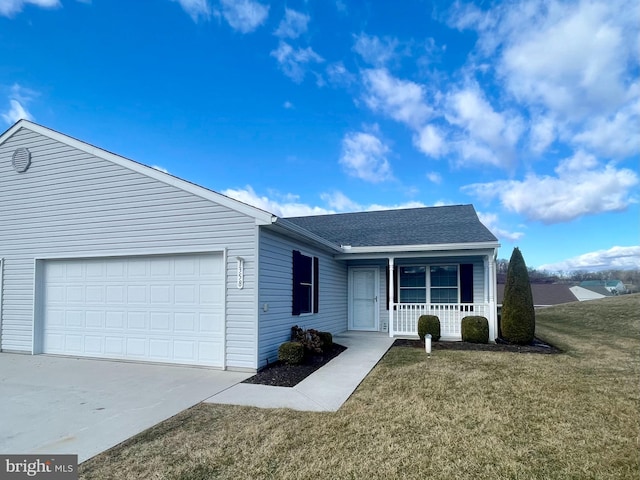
(275, 277)
(73, 204)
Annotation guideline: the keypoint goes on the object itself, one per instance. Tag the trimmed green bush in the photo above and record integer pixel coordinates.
(327, 340)
(291, 353)
(475, 329)
(429, 324)
(518, 317)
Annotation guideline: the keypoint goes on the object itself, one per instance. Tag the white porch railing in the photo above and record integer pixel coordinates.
(405, 317)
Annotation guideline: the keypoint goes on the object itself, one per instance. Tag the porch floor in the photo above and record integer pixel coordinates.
(326, 389)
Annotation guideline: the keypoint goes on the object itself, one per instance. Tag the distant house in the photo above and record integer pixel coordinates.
(590, 293)
(616, 287)
(545, 294)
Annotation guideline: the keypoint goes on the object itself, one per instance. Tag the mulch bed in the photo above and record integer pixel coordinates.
(537, 346)
(279, 374)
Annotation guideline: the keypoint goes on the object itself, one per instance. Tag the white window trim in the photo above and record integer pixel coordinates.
(311, 285)
(428, 280)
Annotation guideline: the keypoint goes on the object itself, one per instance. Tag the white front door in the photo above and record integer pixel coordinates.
(363, 298)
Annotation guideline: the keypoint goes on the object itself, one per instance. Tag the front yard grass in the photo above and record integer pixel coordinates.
(458, 414)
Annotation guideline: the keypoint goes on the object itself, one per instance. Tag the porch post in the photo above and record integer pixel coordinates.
(390, 299)
(490, 265)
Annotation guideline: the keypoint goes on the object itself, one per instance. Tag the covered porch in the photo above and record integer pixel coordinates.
(390, 293)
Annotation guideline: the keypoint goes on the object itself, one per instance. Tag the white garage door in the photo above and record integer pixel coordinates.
(156, 308)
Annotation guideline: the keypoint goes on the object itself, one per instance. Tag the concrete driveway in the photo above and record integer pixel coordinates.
(81, 406)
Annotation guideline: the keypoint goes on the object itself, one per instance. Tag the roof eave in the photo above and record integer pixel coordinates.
(348, 251)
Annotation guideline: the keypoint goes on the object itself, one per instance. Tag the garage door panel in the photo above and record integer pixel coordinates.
(94, 319)
(114, 347)
(160, 294)
(160, 322)
(93, 344)
(161, 309)
(115, 294)
(185, 294)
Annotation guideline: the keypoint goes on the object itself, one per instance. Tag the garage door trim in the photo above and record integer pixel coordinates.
(39, 289)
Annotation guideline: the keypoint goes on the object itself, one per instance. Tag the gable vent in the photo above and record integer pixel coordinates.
(21, 160)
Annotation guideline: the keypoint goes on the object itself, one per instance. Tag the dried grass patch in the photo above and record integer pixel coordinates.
(457, 414)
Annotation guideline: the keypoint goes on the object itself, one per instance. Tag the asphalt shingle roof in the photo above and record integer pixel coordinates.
(545, 294)
(411, 226)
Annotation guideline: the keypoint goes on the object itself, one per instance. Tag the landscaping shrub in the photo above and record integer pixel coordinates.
(327, 340)
(518, 318)
(291, 353)
(429, 324)
(475, 329)
(309, 339)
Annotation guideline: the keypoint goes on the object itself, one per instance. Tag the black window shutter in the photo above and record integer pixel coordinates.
(316, 285)
(466, 283)
(295, 298)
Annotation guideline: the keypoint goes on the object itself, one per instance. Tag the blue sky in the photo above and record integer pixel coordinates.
(529, 110)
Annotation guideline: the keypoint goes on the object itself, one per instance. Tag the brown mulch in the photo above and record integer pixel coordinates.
(537, 346)
(280, 374)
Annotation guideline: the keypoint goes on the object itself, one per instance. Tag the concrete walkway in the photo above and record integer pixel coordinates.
(326, 389)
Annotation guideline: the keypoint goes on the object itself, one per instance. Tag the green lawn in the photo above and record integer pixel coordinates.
(458, 414)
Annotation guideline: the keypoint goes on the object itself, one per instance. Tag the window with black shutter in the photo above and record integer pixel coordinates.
(306, 273)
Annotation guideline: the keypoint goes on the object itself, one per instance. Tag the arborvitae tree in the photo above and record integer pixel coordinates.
(518, 319)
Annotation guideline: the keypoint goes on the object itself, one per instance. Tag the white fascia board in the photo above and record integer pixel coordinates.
(262, 217)
(480, 248)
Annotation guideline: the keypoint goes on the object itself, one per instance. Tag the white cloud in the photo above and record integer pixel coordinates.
(244, 15)
(582, 187)
(195, 8)
(489, 137)
(374, 50)
(430, 141)
(490, 220)
(287, 207)
(340, 202)
(572, 66)
(159, 168)
(288, 105)
(615, 136)
(569, 57)
(15, 113)
(364, 156)
(338, 75)
(402, 100)
(434, 177)
(292, 25)
(9, 8)
(615, 258)
(293, 62)
(542, 134)
(18, 100)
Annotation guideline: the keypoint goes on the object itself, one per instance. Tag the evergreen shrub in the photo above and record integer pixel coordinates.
(291, 353)
(429, 324)
(475, 329)
(518, 317)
